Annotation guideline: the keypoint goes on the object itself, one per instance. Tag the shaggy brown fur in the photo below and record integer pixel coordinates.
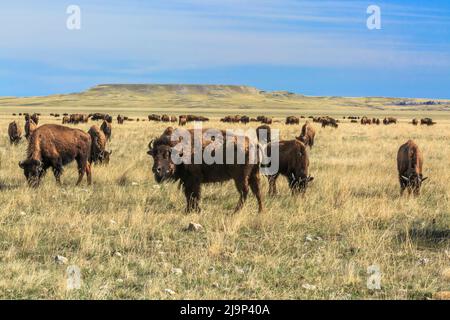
(107, 129)
(30, 126)
(192, 176)
(409, 165)
(14, 132)
(98, 150)
(292, 120)
(307, 135)
(54, 146)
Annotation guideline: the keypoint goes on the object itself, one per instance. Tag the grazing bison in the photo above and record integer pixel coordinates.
(55, 146)
(427, 121)
(389, 120)
(120, 119)
(98, 146)
(245, 119)
(307, 135)
(415, 122)
(192, 176)
(78, 118)
(409, 165)
(107, 129)
(292, 120)
(327, 121)
(14, 132)
(154, 117)
(30, 126)
(293, 164)
(165, 118)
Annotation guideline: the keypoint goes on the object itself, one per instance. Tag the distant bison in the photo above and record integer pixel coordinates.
(120, 119)
(55, 146)
(292, 120)
(415, 122)
(192, 176)
(389, 120)
(327, 121)
(427, 121)
(14, 132)
(409, 165)
(182, 121)
(365, 120)
(307, 135)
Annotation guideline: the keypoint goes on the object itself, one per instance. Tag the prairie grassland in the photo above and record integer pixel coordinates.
(126, 233)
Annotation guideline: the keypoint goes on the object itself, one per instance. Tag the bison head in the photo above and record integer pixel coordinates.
(299, 184)
(163, 166)
(33, 171)
(414, 181)
(105, 156)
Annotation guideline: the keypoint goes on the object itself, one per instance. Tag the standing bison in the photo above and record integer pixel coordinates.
(30, 126)
(14, 132)
(409, 165)
(54, 146)
(307, 135)
(98, 149)
(192, 174)
(293, 164)
(107, 129)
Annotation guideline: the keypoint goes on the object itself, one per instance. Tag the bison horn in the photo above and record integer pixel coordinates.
(423, 179)
(150, 145)
(22, 164)
(405, 178)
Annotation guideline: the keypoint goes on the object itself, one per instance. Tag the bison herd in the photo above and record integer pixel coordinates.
(55, 146)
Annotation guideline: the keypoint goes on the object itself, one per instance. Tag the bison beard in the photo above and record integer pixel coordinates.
(56, 146)
(192, 176)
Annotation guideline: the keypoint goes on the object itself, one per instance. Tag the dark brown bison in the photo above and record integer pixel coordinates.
(409, 165)
(120, 119)
(107, 129)
(99, 154)
(54, 146)
(415, 122)
(327, 121)
(293, 164)
(30, 126)
(165, 118)
(427, 121)
(14, 132)
(65, 120)
(182, 121)
(192, 176)
(154, 117)
(365, 120)
(245, 119)
(78, 118)
(389, 120)
(34, 117)
(307, 135)
(292, 120)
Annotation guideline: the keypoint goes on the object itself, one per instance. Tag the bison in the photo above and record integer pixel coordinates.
(389, 120)
(182, 121)
(409, 165)
(191, 176)
(107, 129)
(292, 120)
(415, 122)
(98, 146)
(120, 119)
(293, 164)
(54, 146)
(427, 121)
(307, 135)
(14, 132)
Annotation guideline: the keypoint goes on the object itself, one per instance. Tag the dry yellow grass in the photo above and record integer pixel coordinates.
(126, 233)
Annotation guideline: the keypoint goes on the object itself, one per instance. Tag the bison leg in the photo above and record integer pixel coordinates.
(273, 185)
(242, 187)
(192, 193)
(82, 168)
(57, 171)
(89, 173)
(255, 185)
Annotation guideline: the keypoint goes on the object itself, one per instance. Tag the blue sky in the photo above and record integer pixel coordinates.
(311, 47)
